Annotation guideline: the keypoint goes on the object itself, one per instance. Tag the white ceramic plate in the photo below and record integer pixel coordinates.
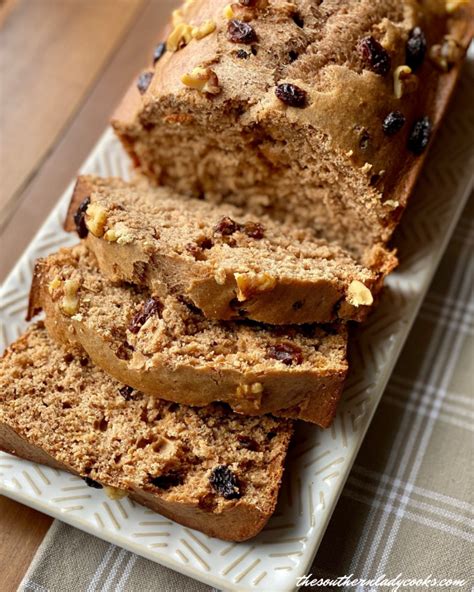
(319, 461)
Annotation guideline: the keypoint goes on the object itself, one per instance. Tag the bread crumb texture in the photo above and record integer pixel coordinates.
(126, 441)
(296, 129)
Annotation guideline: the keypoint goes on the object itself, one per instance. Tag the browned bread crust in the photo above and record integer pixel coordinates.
(57, 409)
(328, 165)
(228, 264)
(176, 354)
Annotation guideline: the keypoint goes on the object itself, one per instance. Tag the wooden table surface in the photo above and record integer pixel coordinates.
(64, 64)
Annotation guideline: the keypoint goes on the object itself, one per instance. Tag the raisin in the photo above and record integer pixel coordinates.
(80, 218)
(143, 81)
(159, 52)
(297, 305)
(271, 435)
(393, 123)
(247, 443)
(68, 358)
(126, 392)
(167, 480)
(225, 483)
(286, 353)
(254, 50)
(205, 243)
(415, 48)
(196, 249)
(420, 135)
(292, 95)
(240, 32)
(254, 230)
(91, 483)
(226, 226)
(293, 55)
(375, 55)
(242, 54)
(151, 307)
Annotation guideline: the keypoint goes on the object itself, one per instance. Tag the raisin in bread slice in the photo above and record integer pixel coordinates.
(166, 348)
(227, 264)
(315, 112)
(206, 468)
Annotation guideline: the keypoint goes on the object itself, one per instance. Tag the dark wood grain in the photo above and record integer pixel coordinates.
(21, 532)
(51, 53)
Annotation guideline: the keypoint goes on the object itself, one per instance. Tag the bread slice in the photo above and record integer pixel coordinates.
(166, 348)
(227, 264)
(318, 113)
(206, 468)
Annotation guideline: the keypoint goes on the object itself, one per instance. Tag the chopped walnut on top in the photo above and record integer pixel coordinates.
(203, 30)
(359, 295)
(202, 79)
(96, 219)
(446, 54)
(404, 81)
(70, 301)
(179, 37)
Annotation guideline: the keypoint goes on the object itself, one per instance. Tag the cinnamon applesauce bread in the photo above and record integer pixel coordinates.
(207, 468)
(166, 348)
(227, 264)
(316, 112)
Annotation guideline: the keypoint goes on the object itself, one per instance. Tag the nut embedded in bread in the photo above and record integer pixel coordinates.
(229, 265)
(164, 347)
(207, 468)
(297, 129)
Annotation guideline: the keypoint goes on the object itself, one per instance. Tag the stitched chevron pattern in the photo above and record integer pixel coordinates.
(318, 461)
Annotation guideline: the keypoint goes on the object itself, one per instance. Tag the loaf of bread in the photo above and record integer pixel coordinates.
(207, 468)
(225, 263)
(166, 348)
(316, 113)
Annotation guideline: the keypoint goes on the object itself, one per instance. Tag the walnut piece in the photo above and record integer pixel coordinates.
(70, 301)
(204, 29)
(228, 12)
(114, 493)
(119, 234)
(358, 294)
(249, 284)
(180, 36)
(446, 54)
(202, 79)
(251, 393)
(246, 11)
(404, 81)
(96, 219)
(54, 284)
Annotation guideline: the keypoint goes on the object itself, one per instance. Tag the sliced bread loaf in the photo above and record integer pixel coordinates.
(207, 468)
(315, 112)
(166, 348)
(229, 265)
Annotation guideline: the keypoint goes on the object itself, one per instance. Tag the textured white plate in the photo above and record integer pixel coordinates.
(319, 462)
